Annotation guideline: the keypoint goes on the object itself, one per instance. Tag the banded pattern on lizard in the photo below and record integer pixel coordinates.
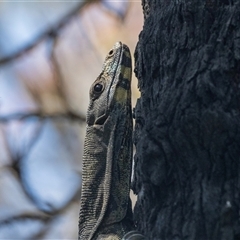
(105, 211)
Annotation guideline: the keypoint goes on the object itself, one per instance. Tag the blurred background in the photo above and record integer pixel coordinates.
(50, 53)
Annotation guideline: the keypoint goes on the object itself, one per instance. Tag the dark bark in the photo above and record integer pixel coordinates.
(187, 136)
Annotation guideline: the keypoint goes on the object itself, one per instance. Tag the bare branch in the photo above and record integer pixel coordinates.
(20, 116)
(51, 32)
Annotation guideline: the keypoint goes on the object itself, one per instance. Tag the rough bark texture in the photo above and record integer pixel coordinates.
(187, 136)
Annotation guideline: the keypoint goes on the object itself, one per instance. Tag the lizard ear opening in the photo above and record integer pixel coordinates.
(101, 120)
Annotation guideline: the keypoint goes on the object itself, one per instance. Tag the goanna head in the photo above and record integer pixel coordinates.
(111, 91)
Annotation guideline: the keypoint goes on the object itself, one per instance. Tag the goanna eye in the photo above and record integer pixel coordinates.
(98, 88)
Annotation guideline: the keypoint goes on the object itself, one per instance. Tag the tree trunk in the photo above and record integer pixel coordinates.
(187, 135)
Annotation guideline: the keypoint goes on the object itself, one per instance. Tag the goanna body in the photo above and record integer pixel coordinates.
(105, 211)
